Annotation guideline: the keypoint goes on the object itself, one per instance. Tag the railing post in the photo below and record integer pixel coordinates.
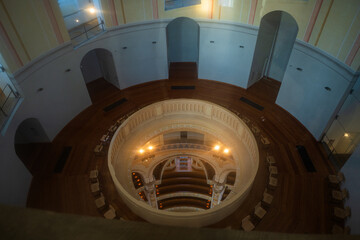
(85, 32)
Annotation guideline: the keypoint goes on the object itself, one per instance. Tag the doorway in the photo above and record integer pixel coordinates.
(31, 141)
(99, 73)
(274, 44)
(183, 35)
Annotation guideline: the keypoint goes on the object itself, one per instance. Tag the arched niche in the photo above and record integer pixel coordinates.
(98, 64)
(274, 44)
(30, 142)
(183, 35)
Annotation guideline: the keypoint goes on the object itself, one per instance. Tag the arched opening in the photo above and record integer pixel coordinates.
(83, 19)
(183, 36)
(274, 44)
(99, 73)
(31, 141)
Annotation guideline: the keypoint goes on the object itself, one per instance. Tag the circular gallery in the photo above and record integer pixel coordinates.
(183, 162)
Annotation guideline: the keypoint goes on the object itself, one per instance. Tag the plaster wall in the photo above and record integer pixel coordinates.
(352, 183)
(182, 35)
(285, 39)
(90, 67)
(226, 52)
(302, 92)
(265, 43)
(107, 66)
(138, 60)
(64, 95)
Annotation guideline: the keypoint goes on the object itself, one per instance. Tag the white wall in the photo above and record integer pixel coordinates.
(352, 183)
(302, 91)
(285, 39)
(137, 59)
(347, 122)
(224, 60)
(90, 67)
(265, 43)
(107, 66)
(71, 8)
(183, 40)
(14, 177)
(65, 95)
(30, 131)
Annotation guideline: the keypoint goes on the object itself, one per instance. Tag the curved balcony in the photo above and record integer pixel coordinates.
(182, 115)
(184, 202)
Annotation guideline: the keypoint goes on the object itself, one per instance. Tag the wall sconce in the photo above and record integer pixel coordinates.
(91, 10)
(219, 154)
(146, 151)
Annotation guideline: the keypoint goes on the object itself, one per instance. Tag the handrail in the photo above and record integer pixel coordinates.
(16, 95)
(88, 30)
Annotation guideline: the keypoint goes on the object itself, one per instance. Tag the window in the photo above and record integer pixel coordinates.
(82, 19)
(173, 4)
(8, 97)
(226, 3)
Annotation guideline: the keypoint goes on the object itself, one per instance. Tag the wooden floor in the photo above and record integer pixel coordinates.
(301, 201)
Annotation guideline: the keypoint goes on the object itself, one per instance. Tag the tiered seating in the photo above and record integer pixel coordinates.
(184, 201)
(194, 182)
(183, 188)
(137, 180)
(184, 180)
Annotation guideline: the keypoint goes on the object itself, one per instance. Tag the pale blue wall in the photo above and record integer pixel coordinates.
(107, 66)
(228, 58)
(138, 60)
(276, 38)
(285, 40)
(302, 92)
(183, 40)
(264, 44)
(90, 67)
(351, 171)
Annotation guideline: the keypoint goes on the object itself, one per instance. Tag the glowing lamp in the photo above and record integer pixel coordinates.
(91, 10)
